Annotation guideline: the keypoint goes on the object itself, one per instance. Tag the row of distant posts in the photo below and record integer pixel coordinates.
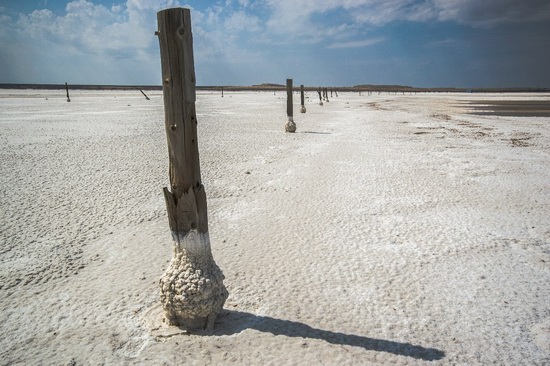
(290, 125)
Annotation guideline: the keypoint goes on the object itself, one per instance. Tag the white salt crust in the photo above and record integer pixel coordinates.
(192, 292)
(389, 229)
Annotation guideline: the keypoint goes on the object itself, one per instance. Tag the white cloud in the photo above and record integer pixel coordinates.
(90, 28)
(151, 4)
(241, 21)
(296, 15)
(379, 13)
(492, 12)
(119, 40)
(117, 8)
(356, 44)
(110, 45)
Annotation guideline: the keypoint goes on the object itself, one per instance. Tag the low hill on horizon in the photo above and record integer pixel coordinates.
(274, 86)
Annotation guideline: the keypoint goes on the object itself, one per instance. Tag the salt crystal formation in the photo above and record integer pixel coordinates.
(192, 291)
(290, 126)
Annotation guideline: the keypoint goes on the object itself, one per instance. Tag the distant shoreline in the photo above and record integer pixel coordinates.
(275, 87)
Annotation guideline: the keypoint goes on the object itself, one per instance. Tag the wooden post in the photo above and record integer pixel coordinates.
(326, 94)
(222, 91)
(191, 290)
(146, 97)
(290, 126)
(303, 107)
(289, 109)
(67, 90)
(320, 97)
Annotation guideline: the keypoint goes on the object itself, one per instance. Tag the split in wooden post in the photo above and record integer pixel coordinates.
(191, 290)
(290, 126)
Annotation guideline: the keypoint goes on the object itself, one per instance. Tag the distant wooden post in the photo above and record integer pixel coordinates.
(191, 290)
(303, 107)
(320, 97)
(326, 94)
(146, 97)
(222, 91)
(290, 126)
(67, 90)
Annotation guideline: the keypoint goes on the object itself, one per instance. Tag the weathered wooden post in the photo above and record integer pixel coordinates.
(67, 90)
(222, 91)
(303, 107)
(146, 97)
(191, 290)
(290, 126)
(326, 94)
(320, 97)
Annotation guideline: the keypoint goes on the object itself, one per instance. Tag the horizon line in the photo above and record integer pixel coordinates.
(273, 86)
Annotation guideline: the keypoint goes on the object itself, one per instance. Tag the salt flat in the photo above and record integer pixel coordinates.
(389, 229)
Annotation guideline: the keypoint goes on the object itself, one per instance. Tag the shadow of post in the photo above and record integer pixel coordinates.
(316, 133)
(232, 322)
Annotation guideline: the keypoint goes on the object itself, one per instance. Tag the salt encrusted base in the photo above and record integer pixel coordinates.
(302, 109)
(290, 126)
(192, 292)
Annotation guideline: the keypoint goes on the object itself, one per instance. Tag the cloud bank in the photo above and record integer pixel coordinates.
(90, 42)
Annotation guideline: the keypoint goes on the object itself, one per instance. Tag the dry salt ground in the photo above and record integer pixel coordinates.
(389, 229)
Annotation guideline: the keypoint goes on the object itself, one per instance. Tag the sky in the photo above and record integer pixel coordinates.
(421, 43)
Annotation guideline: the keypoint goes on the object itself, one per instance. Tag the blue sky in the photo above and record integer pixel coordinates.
(423, 43)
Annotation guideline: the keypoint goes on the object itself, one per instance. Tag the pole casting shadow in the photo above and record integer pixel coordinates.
(232, 322)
